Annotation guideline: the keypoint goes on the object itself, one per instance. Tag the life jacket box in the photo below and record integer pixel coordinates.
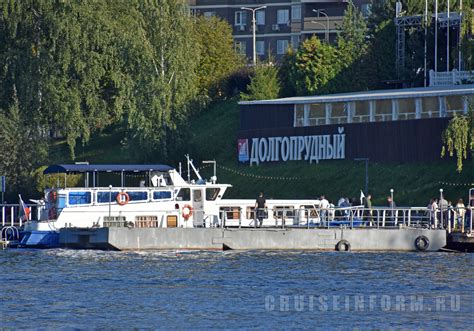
(146, 221)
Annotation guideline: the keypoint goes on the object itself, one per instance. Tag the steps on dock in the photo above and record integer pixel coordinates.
(10, 237)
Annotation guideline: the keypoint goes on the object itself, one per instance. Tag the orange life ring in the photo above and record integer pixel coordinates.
(187, 211)
(53, 196)
(125, 200)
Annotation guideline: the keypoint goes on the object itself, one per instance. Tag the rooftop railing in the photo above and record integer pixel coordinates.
(448, 78)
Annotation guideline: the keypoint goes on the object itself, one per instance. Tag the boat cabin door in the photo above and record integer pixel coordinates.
(198, 207)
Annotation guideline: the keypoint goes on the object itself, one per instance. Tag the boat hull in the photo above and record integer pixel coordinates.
(39, 239)
(359, 239)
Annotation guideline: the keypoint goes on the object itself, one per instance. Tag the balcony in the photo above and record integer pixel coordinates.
(320, 23)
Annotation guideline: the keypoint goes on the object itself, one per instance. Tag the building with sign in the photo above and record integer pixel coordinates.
(386, 125)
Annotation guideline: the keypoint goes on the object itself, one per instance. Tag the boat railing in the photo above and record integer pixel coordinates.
(10, 214)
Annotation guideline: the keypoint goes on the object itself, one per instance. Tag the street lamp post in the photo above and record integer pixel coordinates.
(441, 200)
(319, 12)
(320, 24)
(254, 22)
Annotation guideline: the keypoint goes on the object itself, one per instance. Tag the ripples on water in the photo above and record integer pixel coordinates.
(175, 289)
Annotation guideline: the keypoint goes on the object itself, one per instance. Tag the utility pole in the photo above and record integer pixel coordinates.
(426, 36)
(447, 39)
(254, 23)
(436, 35)
(460, 36)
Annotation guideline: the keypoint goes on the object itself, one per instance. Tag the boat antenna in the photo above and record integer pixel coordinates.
(190, 163)
(189, 170)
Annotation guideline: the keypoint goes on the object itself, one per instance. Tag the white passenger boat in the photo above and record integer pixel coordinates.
(166, 211)
(163, 200)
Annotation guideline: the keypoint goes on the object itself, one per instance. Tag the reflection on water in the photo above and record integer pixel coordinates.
(188, 289)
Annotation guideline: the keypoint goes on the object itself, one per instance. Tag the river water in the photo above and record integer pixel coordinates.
(185, 289)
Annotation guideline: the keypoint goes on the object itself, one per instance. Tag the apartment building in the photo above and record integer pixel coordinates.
(280, 24)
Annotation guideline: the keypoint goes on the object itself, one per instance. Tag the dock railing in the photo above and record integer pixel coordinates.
(350, 217)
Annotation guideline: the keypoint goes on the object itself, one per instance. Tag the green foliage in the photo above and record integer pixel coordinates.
(467, 42)
(22, 148)
(80, 66)
(218, 58)
(163, 64)
(57, 180)
(64, 60)
(458, 138)
(317, 64)
(318, 67)
(352, 47)
(287, 73)
(353, 35)
(264, 84)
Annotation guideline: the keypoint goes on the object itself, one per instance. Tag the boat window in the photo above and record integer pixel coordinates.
(212, 193)
(80, 198)
(184, 195)
(103, 197)
(137, 195)
(250, 213)
(280, 211)
(62, 201)
(197, 195)
(231, 213)
(160, 195)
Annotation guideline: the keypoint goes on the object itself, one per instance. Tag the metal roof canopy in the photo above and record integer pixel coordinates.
(122, 168)
(417, 92)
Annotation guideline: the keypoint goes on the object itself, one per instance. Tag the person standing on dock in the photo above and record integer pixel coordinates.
(260, 208)
(392, 205)
(368, 208)
(434, 213)
(460, 211)
(324, 205)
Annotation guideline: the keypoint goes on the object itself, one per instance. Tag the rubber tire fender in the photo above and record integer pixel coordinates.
(422, 243)
(343, 246)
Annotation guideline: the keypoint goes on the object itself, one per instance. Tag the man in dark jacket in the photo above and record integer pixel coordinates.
(260, 208)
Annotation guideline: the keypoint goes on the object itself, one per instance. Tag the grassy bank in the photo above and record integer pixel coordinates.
(212, 136)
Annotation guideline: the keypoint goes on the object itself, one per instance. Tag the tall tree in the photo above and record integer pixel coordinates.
(287, 73)
(163, 62)
(64, 60)
(22, 148)
(218, 58)
(352, 46)
(316, 64)
(264, 84)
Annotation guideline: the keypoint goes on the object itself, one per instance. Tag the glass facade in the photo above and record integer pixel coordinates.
(361, 111)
